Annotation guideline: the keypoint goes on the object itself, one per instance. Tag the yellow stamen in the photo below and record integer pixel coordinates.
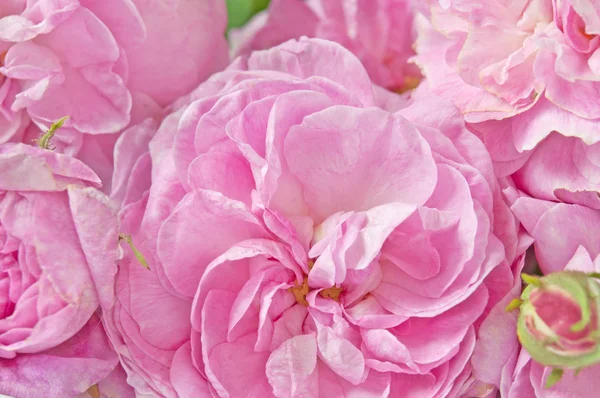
(300, 292)
(94, 391)
(332, 293)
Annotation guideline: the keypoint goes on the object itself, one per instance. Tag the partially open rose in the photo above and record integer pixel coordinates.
(558, 322)
(58, 249)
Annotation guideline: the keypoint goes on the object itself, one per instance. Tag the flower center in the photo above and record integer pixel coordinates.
(301, 290)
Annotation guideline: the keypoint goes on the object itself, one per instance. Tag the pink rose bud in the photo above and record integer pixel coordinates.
(558, 323)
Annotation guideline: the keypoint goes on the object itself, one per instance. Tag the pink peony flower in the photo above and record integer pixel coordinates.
(303, 242)
(529, 70)
(103, 64)
(380, 33)
(58, 248)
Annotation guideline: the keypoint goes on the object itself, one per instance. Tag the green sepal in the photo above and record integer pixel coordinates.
(513, 305)
(554, 377)
(531, 279)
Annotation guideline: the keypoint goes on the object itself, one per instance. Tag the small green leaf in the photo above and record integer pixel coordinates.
(240, 11)
(140, 257)
(577, 371)
(513, 305)
(44, 141)
(554, 377)
(531, 279)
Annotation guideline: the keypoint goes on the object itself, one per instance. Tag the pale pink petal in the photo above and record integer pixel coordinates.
(187, 380)
(358, 154)
(291, 368)
(66, 370)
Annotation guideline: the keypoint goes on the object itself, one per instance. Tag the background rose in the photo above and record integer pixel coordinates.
(104, 64)
(532, 64)
(379, 32)
(58, 249)
(275, 149)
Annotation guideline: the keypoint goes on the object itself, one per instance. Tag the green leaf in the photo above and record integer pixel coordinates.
(554, 377)
(240, 11)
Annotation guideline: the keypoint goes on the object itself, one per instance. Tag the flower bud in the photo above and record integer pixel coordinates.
(558, 322)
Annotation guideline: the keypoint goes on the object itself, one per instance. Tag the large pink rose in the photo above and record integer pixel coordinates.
(58, 252)
(379, 32)
(102, 63)
(529, 69)
(302, 242)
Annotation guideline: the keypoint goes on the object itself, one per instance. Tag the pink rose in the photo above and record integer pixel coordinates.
(58, 249)
(103, 64)
(379, 32)
(302, 242)
(534, 65)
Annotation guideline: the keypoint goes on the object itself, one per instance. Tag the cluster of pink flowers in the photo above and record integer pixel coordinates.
(337, 199)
